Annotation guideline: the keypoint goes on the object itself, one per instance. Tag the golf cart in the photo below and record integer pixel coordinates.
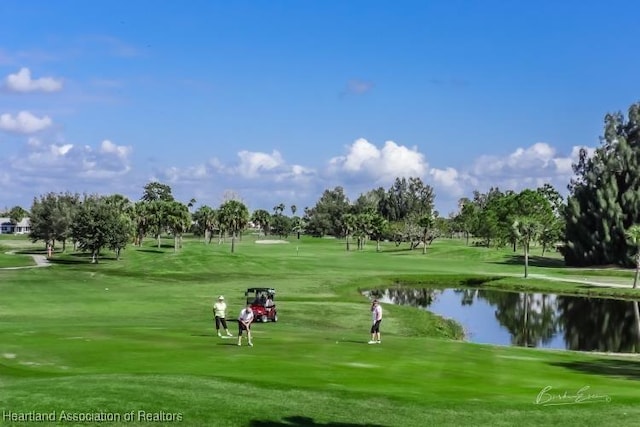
(262, 304)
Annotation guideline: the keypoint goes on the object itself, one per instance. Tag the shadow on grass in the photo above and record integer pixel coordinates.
(154, 246)
(629, 369)
(78, 258)
(351, 341)
(30, 252)
(68, 261)
(534, 261)
(300, 421)
(151, 251)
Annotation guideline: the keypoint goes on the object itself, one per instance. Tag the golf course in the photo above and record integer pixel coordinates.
(132, 341)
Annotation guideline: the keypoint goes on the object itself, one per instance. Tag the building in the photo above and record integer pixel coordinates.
(7, 227)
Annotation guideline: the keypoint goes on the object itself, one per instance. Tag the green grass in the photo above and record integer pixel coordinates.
(147, 343)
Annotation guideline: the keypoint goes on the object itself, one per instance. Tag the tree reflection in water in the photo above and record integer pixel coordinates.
(600, 324)
(534, 319)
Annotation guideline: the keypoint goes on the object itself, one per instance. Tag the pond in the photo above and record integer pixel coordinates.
(530, 319)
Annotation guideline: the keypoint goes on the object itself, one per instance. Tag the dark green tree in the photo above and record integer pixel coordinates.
(262, 219)
(157, 191)
(325, 218)
(17, 214)
(604, 200)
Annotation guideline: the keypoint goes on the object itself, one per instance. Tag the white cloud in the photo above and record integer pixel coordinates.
(450, 180)
(261, 169)
(24, 122)
(540, 160)
(22, 82)
(71, 162)
(254, 163)
(365, 161)
(120, 151)
(264, 179)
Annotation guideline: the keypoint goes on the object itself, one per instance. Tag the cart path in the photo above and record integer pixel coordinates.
(40, 260)
(611, 282)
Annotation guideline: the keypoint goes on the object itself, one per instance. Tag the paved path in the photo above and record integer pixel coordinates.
(622, 283)
(608, 282)
(40, 260)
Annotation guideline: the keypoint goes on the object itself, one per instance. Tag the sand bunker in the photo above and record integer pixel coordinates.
(270, 242)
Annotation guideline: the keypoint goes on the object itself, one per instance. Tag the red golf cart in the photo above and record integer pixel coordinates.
(263, 304)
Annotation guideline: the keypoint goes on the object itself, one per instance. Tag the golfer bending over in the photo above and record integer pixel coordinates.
(220, 313)
(376, 317)
(244, 324)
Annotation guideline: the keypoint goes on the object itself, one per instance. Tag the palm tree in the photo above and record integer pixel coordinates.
(262, 218)
(633, 234)
(378, 226)
(178, 219)
(278, 210)
(141, 219)
(525, 229)
(349, 224)
(206, 219)
(233, 216)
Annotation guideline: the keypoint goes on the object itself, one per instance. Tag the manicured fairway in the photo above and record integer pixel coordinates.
(136, 335)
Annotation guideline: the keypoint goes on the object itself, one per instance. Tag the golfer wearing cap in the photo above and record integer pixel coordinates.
(220, 311)
(376, 317)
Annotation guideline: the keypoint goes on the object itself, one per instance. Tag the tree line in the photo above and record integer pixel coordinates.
(595, 226)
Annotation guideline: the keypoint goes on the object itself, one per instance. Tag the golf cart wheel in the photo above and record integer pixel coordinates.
(264, 319)
(275, 318)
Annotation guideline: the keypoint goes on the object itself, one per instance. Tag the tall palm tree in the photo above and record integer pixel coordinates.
(178, 219)
(349, 224)
(525, 229)
(633, 234)
(140, 216)
(378, 226)
(233, 216)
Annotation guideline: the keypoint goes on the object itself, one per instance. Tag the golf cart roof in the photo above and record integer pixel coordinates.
(269, 290)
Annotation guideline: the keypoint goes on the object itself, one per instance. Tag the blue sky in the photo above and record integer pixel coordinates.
(275, 101)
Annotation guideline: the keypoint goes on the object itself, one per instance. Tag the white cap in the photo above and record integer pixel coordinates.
(220, 297)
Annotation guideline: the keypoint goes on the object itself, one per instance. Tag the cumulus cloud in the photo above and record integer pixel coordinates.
(451, 181)
(253, 163)
(537, 161)
(23, 82)
(24, 122)
(252, 166)
(70, 161)
(365, 161)
(120, 151)
(528, 167)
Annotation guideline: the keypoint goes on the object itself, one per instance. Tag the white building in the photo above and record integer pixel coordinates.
(23, 227)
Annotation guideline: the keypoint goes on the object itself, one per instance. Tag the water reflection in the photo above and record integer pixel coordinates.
(531, 319)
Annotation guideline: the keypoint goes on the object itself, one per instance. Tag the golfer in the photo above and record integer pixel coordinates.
(376, 317)
(220, 312)
(244, 324)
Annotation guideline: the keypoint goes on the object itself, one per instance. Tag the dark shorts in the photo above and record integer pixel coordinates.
(376, 327)
(242, 327)
(221, 321)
